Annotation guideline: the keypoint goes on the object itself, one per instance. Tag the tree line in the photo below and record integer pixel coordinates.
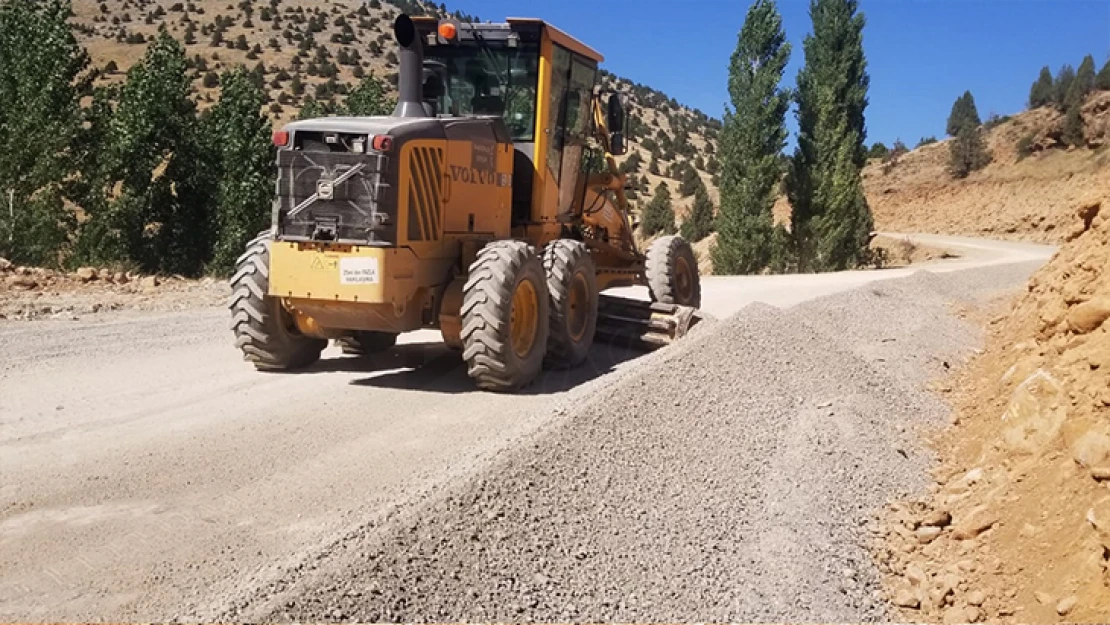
(830, 221)
(131, 175)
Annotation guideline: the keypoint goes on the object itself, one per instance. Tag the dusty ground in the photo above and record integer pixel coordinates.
(1016, 527)
(152, 474)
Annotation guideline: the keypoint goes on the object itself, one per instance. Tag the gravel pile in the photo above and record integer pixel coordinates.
(730, 480)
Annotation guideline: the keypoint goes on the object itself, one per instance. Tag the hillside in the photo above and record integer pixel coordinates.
(321, 48)
(1024, 197)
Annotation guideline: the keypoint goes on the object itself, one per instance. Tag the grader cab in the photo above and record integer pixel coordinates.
(475, 208)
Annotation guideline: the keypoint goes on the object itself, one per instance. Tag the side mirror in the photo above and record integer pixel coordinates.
(615, 118)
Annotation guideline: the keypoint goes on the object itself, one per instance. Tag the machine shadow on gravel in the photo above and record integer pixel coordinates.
(433, 367)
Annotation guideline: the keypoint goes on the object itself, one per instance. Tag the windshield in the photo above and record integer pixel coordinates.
(489, 80)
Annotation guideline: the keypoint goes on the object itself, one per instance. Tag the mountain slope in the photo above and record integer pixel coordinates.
(328, 45)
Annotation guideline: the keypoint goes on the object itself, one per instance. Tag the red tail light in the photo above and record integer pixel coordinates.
(382, 143)
(281, 138)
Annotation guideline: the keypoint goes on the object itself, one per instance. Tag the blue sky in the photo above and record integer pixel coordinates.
(921, 54)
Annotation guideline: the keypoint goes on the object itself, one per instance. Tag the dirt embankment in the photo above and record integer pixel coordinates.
(28, 293)
(1030, 198)
(1016, 527)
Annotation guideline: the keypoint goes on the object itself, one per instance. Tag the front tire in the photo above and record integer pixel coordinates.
(572, 289)
(505, 317)
(264, 330)
(672, 272)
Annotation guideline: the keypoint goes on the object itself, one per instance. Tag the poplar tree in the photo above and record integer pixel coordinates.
(240, 137)
(699, 223)
(752, 141)
(831, 221)
(41, 83)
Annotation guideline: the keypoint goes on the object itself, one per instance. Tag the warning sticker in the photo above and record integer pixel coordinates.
(358, 271)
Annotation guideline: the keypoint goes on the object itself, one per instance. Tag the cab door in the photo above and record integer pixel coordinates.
(572, 84)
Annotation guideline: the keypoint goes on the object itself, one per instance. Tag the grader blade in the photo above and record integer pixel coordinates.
(642, 325)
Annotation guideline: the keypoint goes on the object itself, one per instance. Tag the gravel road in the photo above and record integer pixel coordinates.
(147, 474)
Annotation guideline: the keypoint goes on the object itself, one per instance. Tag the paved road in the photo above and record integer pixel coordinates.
(146, 472)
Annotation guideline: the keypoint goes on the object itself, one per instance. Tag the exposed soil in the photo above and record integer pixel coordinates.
(1016, 527)
(1028, 199)
(28, 293)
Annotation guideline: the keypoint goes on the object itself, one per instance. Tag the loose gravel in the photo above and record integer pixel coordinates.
(731, 479)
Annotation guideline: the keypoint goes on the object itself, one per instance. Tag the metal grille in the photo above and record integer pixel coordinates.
(425, 204)
(333, 196)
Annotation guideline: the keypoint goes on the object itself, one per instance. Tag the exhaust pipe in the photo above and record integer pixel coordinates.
(410, 84)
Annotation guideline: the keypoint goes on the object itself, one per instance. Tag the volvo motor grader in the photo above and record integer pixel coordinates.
(475, 208)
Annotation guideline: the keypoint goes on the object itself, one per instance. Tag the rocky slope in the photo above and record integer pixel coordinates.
(1024, 194)
(1016, 527)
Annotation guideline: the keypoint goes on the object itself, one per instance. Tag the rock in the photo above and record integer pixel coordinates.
(1066, 605)
(906, 598)
(149, 282)
(927, 533)
(976, 598)
(937, 518)
(1035, 414)
(1101, 473)
(86, 274)
(1088, 316)
(957, 614)
(1091, 449)
(21, 282)
(1042, 598)
(120, 278)
(915, 575)
(104, 274)
(5, 264)
(976, 523)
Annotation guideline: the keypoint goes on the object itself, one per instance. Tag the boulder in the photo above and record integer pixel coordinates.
(1088, 316)
(5, 264)
(86, 274)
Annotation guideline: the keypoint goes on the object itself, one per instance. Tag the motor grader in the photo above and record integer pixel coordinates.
(475, 208)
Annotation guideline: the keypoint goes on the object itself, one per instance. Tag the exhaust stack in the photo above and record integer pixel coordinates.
(410, 84)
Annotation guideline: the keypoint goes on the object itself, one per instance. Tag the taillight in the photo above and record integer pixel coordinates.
(382, 143)
(281, 138)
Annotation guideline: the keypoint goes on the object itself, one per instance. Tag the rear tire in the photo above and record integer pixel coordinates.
(572, 290)
(367, 343)
(264, 330)
(672, 272)
(505, 317)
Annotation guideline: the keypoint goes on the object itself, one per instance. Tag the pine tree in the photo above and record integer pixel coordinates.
(41, 82)
(753, 137)
(369, 99)
(241, 136)
(1040, 94)
(1085, 77)
(658, 215)
(964, 113)
(689, 181)
(1102, 81)
(1062, 85)
(699, 223)
(967, 153)
(831, 221)
(1072, 134)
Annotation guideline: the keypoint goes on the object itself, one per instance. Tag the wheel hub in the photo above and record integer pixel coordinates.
(523, 325)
